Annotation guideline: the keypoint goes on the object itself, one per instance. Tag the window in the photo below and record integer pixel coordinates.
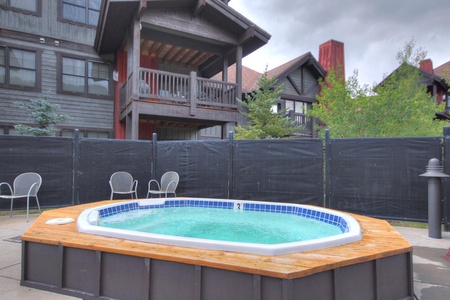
(28, 5)
(17, 67)
(297, 106)
(85, 77)
(81, 11)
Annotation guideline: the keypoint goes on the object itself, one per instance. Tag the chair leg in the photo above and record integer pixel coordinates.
(111, 197)
(10, 213)
(39, 207)
(28, 206)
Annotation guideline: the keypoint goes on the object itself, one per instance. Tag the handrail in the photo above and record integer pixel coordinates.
(165, 86)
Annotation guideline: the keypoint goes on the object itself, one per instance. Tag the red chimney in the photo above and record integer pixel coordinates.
(427, 65)
(331, 55)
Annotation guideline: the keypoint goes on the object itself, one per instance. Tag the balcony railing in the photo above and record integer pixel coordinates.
(306, 123)
(166, 87)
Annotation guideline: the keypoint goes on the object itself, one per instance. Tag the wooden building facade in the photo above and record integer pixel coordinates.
(165, 53)
(46, 51)
(125, 69)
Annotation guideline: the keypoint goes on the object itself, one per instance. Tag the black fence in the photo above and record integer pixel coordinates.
(376, 177)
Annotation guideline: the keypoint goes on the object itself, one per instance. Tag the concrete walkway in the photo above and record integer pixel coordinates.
(430, 257)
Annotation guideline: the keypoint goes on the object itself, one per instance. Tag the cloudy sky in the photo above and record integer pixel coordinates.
(373, 31)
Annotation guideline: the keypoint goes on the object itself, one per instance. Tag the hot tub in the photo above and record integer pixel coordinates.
(61, 259)
(348, 228)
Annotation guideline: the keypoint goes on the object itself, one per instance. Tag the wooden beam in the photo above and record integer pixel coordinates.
(199, 7)
(239, 55)
(184, 41)
(182, 23)
(248, 34)
(297, 89)
(169, 53)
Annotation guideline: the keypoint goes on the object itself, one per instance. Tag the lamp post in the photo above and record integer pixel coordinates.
(434, 174)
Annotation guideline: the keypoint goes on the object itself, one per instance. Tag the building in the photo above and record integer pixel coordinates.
(46, 49)
(300, 78)
(126, 69)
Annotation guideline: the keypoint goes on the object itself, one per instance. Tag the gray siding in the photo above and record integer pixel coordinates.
(310, 84)
(76, 41)
(47, 25)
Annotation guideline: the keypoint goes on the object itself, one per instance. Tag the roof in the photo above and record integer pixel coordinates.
(116, 16)
(306, 59)
(443, 70)
(427, 78)
(250, 77)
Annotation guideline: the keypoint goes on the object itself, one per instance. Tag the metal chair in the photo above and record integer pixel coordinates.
(25, 185)
(169, 183)
(123, 183)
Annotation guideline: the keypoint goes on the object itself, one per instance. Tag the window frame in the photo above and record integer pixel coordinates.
(84, 24)
(38, 68)
(37, 13)
(86, 60)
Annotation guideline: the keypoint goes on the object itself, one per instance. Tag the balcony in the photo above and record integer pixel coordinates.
(162, 87)
(305, 123)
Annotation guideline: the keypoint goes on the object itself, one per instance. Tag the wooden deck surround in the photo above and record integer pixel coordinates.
(380, 240)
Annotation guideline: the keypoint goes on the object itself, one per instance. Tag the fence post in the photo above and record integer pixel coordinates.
(76, 168)
(230, 186)
(327, 181)
(153, 166)
(446, 188)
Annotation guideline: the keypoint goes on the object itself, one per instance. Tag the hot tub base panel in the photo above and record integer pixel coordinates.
(93, 274)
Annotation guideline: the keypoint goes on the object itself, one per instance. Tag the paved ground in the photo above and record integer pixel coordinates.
(431, 258)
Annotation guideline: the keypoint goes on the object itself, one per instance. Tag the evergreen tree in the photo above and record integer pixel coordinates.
(43, 114)
(263, 121)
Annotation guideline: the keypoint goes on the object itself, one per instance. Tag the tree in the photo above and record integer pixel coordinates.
(398, 106)
(43, 114)
(263, 121)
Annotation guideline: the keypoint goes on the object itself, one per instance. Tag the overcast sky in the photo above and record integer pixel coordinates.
(373, 31)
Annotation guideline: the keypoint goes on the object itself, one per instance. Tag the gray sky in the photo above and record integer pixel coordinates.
(373, 31)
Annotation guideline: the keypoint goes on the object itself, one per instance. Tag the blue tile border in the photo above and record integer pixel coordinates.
(257, 206)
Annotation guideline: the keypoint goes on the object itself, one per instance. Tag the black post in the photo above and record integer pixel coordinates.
(446, 187)
(153, 166)
(434, 175)
(327, 192)
(76, 168)
(230, 193)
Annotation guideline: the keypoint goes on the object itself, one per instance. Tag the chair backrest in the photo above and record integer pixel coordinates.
(169, 181)
(121, 182)
(26, 181)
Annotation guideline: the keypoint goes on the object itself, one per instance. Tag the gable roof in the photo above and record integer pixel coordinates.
(306, 59)
(426, 78)
(250, 77)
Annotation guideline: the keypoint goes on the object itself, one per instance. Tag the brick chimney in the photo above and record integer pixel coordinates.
(331, 55)
(427, 65)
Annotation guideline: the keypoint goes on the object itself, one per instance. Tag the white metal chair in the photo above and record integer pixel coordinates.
(25, 185)
(168, 185)
(123, 183)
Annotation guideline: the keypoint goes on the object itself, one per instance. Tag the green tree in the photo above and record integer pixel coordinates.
(42, 113)
(263, 121)
(398, 106)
